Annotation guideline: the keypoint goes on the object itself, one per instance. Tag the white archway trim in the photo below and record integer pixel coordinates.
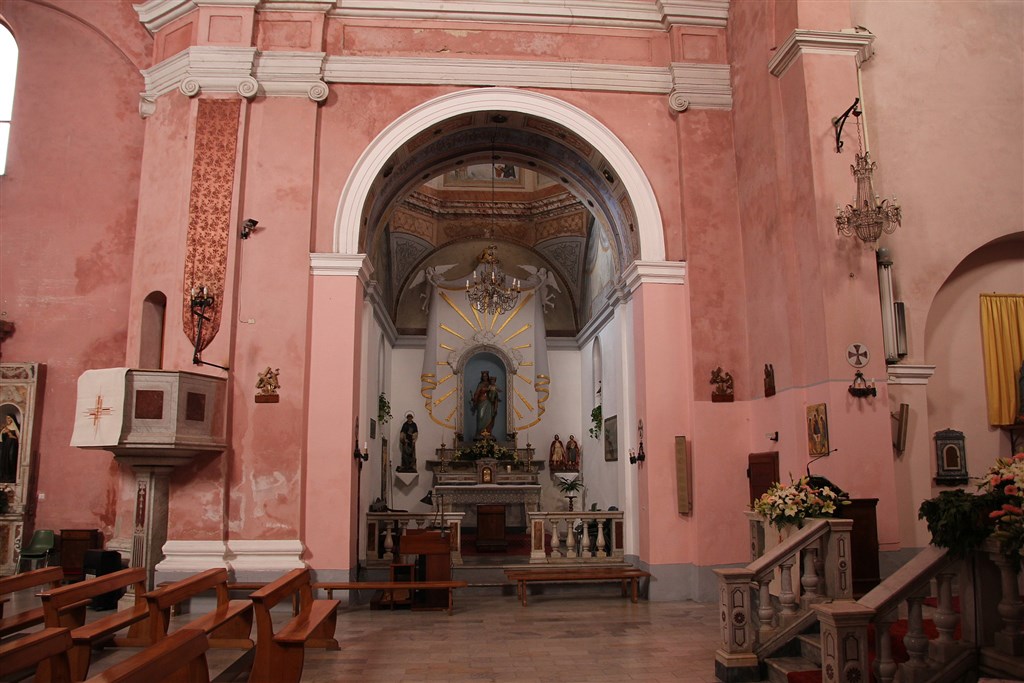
(377, 153)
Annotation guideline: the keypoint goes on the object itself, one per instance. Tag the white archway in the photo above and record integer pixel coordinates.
(371, 162)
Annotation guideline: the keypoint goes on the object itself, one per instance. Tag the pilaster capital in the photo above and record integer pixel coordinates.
(704, 86)
(850, 43)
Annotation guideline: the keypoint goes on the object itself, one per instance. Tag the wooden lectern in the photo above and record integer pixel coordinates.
(433, 564)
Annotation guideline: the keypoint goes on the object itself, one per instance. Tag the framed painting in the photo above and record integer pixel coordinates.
(373, 429)
(817, 429)
(611, 439)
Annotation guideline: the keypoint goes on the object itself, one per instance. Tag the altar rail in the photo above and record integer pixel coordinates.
(384, 529)
(980, 635)
(576, 537)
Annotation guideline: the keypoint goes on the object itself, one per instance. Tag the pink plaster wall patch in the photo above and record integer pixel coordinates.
(209, 211)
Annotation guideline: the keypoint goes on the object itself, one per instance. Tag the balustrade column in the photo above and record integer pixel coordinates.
(787, 598)
(556, 540)
(945, 647)
(765, 611)
(916, 668)
(735, 660)
(809, 579)
(1008, 640)
(585, 540)
(601, 549)
(885, 665)
(570, 539)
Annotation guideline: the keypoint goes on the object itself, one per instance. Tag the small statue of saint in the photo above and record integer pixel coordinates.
(557, 456)
(572, 454)
(407, 444)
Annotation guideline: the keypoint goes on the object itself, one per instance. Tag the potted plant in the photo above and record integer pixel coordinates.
(570, 487)
(595, 419)
(383, 409)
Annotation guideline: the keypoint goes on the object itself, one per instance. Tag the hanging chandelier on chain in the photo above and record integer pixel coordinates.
(868, 217)
(491, 291)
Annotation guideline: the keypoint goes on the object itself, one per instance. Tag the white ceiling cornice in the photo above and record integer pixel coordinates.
(910, 373)
(847, 43)
(610, 14)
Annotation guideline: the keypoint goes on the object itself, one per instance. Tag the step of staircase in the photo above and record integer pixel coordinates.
(810, 647)
(779, 668)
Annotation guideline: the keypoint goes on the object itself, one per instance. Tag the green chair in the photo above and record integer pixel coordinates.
(39, 550)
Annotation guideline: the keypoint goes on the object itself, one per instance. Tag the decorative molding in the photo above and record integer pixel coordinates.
(848, 43)
(654, 272)
(704, 86)
(497, 72)
(279, 556)
(910, 374)
(352, 265)
(612, 14)
(563, 344)
(597, 322)
(291, 74)
(192, 556)
(372, 294)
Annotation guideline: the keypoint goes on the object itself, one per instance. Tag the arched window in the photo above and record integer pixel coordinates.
(8, 72)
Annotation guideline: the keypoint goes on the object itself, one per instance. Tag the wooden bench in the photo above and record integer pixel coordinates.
(182, 655)
(228, 625)
(45, 652)
(280, 655)
(50, 577)
(625, 575)
(392, 586)
(65, 607)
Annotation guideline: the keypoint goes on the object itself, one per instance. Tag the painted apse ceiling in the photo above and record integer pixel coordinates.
(538, 191)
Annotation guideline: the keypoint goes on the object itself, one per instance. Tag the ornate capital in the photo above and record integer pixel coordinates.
(844, 43)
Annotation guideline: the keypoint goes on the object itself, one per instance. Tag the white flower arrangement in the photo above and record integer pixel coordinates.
(784, 505)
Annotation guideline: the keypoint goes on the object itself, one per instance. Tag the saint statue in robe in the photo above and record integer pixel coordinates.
(485, 403)
(407, 444)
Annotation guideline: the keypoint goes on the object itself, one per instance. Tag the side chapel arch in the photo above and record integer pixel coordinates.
(370, 164)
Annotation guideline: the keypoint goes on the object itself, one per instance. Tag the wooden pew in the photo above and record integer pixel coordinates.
(50, 577)
(391, 586)
(65, 607)
(180, 657)
(229, 624)
(280, 656)
(628, 576)
(45, 652)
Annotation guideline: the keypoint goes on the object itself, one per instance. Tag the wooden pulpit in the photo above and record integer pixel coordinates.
(433, 564)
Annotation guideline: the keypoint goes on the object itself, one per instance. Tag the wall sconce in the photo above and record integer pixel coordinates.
(361, 456)
(638, 456)
(200, 300)
(249, 227)
(861, 388)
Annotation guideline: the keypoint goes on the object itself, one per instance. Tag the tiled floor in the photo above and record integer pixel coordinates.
(592, 635)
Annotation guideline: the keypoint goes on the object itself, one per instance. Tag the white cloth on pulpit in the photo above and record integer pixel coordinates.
(99, 410)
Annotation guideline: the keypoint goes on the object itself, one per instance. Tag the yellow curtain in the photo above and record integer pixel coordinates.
(1002, 339)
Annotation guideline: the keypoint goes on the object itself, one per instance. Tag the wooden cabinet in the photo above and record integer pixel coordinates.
(73, 544)
(490, 528)
(433, 564)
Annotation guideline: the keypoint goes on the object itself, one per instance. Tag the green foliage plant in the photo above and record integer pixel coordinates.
(595, 419)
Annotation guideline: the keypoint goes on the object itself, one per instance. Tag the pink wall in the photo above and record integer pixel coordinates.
(67, 216)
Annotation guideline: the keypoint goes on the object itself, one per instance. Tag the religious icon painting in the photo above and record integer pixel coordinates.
(373, 429)
(611, 439)
(817, 429)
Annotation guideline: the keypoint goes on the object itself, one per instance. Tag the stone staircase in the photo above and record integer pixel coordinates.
(801, 656)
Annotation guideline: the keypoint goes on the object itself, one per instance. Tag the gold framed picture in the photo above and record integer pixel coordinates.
(817, 429)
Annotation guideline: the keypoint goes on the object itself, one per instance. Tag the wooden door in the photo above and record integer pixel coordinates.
(762, 472)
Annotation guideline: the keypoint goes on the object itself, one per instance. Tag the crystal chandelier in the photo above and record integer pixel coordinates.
(491, 291)
(869, 217)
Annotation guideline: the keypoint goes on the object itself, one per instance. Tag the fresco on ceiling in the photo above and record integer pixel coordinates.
(598, 272)
(479, 175)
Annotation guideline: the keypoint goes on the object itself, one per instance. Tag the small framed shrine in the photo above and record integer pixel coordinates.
(951, 458)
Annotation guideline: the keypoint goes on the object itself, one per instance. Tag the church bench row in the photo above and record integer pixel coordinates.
(628, 576)
(450, 586)
(47, 652)
(280, 654)
(49, 577)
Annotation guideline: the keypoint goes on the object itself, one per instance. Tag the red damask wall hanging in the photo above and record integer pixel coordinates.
(209, 213)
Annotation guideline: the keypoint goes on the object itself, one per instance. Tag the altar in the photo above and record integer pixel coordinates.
(518, 499)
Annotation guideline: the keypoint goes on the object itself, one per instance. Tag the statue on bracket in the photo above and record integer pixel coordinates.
(407, 444)
(572, 454)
